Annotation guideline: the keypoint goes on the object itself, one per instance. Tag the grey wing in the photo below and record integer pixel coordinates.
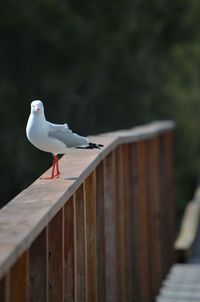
(65, 135)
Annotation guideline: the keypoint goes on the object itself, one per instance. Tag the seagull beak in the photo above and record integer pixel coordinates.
(36, 109)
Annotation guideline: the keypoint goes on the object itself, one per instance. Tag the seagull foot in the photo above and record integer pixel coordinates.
(48, 177)
(57, 175)
(51, 177)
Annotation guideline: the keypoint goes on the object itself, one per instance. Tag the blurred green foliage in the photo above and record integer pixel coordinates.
(100, 66)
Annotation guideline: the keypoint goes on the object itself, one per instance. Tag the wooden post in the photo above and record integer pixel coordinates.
(38, 260)
(130, 279)
(110, 229)
(56, 258)
(69, 252)
(122, 276)
(171, 228)
(100, 231)
(103, 232)
(155, 255)
(18, 280)
(80, 245)
(90, 230)
(135, 220)
(143, 225)
(3, 289)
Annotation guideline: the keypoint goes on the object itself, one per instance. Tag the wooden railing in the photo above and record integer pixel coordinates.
(185, 243)
(103, 231)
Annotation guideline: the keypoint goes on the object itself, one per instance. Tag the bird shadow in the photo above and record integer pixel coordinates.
(70, 178)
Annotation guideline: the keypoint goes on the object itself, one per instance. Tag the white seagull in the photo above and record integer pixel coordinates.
(53, 138)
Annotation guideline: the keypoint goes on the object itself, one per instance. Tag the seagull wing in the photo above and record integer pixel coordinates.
(66, 136)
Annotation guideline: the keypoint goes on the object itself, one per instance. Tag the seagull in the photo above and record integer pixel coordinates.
(53, 138)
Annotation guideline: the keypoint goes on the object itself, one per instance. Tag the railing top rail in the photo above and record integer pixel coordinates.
(23, 218)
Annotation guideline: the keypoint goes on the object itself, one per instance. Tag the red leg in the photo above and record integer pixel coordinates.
(52, 171)
(57, 167)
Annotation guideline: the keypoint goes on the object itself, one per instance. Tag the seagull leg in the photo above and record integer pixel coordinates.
(52, 171)
(57, 167)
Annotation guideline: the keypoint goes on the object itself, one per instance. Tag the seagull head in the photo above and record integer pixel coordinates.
(37, 107)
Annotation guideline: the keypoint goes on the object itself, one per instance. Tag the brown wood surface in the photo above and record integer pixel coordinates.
(80, 244)
(100, 225)
(69, 253)
(90, 231)
(3, 289)
(163, 201)
(110, 229)
(168, 147)
(98, 222)
(154, 215)
(38, 257)
(56, 258)
(143, 225)
(22, 220)
(127, 201)
(18, 280)
(135, 219)
(166, 207)
(122, 276)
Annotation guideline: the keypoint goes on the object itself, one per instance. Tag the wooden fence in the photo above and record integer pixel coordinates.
(104, 231)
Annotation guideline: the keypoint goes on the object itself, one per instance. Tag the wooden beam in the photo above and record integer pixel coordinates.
(38, 260)
(90, 231)
(24, 218)
(100, 229)
(69, 252)
(80, 244)
(18, 280)
(110, 229)
(56, 258)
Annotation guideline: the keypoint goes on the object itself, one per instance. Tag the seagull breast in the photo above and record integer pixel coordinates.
(37, 132)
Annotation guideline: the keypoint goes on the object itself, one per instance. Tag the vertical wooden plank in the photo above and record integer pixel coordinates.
(90, 231)
(80, 244)
(135, 219)
(56, 258)
(3, 289)
(100, 225)
(130, 291)
(168, 149)
(38, 283)
(122, 276)
(69, 253)
(143, 225)
(163, 200)
(154, 215)
(110, 229)
(18, 278)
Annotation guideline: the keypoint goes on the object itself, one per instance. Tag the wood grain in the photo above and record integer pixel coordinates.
(91, 245)
(110, 229)
(80, 244)
(3, 289)
(143, 225)
(100, 229)
(18, 280)
(38, 257)
(102, 225)
(135, 219)
(168, 147)
(154, 215)
(56, 258)
(128, 225)
(69, 252)
(23, 219)
(122, 275)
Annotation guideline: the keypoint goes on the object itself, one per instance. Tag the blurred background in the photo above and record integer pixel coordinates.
(99, 66)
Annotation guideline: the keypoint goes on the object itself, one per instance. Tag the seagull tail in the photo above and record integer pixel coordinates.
(91, 146)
